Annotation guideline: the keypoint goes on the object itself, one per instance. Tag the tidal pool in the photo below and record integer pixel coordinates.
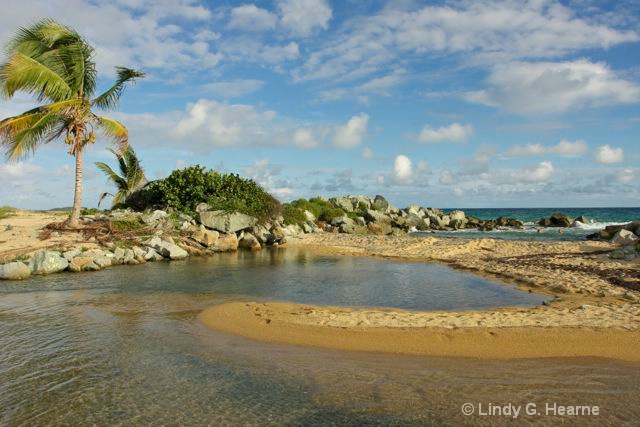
(124, 347)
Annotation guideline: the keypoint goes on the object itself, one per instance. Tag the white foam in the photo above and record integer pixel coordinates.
(596, 225)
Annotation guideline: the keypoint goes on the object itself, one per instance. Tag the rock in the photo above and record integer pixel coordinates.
(206, 237)
(581, 219)
(278, 234)
(262, 233)
(343, 203)
(444, 221)
(47, 262)
(309, 216)
(458, 223)
(202, 207)
(457, 215)
(118, 256)
(360, 203)
(225, 222)
(14, 271)
(166, 249)
(556, 220)
(292, 230)
(375, 229)
(154, 218)
(138, 252)
(413, 221)
(617, 254)
(341, 220)
(371, 215)
(226, 243)
(360, 221)
(624, 238)
(152, 255)
(397, 232)
(80, 263)
(503, 221)
(249, 241)
(424, 225)
(349, 228)
(380, 203)
(102, 261)
(129, 257)
(69, 255)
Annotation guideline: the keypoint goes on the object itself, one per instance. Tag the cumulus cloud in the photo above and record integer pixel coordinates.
(249, 17)
(351, 134)
(267, 176)
(554, 87)
(454, 133)
(607, 155)
(563, 148)
(542, 172)
(403, 169)
(302, 17)
(304, 138)
(486, 31)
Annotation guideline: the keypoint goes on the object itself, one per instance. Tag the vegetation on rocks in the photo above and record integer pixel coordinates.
(186, 188)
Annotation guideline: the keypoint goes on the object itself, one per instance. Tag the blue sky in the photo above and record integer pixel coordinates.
(445, 103)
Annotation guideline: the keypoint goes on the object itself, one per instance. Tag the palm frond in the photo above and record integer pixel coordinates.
(113, 129)
(109, 99)
(41, 129)
(119, 181)
(28, 74)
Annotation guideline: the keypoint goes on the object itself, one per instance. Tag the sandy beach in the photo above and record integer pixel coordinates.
(595, 312)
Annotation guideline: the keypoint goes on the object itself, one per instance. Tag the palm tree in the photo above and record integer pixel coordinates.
(55, 64)
(131, 179)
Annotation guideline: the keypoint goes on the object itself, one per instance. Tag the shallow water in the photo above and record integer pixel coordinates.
(124, 347)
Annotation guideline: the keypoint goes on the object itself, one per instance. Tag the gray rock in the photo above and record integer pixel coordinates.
(292, 230)
(457, 215)
(129, 257)
(202, 207)
(556, 220)
(624, 238)
(155, 217)
(380, 203)
(152, 255)
(225, 222)
(309, 216)
(360, 221)
(262, 233)
(458, 223)
(376, 216)
(102, 261)
(138, 252)
(14, 271)
(226, 243)
(617, 254)
(118, 256)
(360, 203)
(343, 203)
(47, 262)
(341, 220)
(167, 249)
(69, 255)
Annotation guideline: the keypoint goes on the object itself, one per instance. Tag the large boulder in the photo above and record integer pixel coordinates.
(47, 262)
(154, 218)
(360, 203)
(83, 263)
(457, 215)
(624, 238)
(14, 271)
(380, 203)
(206, 238)
(263, 234)
(371, 215)
(343, 203)
(504, 221)
(581, 219)
(556, 220)
(164, 248)
(342, 220)
(226, 222)
(249, 241)
(610, 230)
(226, 243)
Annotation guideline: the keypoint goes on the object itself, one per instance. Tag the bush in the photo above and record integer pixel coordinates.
(323, 210)
(186, 188)
(7, 211)
(89, 211)
(293, 215)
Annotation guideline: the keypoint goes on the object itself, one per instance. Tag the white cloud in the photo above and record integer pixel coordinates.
(367, 153)
(351, 134)
(563, 148)
(304, 138)
(249, 17)
(542, 172)
(18, 169)
(554, 87)
(302, 17)
(607, 154)
(454, 133)
(267, 176)
(485, 31)
(234, 88)
(403, 169)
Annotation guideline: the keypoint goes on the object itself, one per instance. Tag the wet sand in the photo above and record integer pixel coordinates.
(595, 311)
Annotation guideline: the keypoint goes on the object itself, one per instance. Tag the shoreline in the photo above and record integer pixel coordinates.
(590, 316)
(239, 318)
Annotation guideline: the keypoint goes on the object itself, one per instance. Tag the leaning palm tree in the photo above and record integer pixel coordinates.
(55, 64)
(131, 176)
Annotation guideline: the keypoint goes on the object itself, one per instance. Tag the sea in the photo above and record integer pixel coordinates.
(598, 218)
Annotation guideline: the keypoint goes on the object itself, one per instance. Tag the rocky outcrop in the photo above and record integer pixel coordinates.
(226, 222)
(14, 271)
(166, 249)
(250, 242)
(556, 220)
(624, 238)
(609, 231)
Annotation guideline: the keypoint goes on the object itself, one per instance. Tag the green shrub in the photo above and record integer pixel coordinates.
(293, 215)
(7, 211)
(89, 211)
(323, 210)
(126, 226)
(186, 188)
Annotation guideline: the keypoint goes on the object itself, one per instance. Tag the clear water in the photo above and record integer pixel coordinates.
(598, 219)
(124, 347)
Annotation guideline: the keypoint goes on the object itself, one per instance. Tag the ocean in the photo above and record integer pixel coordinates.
(598, 219)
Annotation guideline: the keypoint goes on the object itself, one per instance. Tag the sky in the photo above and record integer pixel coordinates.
(465, 103)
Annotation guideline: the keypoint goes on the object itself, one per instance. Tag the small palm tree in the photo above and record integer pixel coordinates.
(131, 179)
(54, 63)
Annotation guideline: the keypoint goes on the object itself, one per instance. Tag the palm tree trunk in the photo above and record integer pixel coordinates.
(74, 221)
